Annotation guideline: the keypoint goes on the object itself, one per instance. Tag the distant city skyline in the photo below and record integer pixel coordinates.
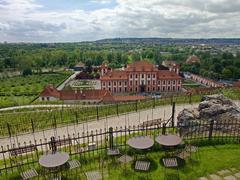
(88, 20)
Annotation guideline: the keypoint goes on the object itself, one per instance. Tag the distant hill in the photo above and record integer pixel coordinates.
(215, 41)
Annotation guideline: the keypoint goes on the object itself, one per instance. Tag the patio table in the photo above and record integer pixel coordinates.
(54, 160)
(140, 142)
(168, 140)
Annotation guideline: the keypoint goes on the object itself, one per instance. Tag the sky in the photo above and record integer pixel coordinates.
(87, 20)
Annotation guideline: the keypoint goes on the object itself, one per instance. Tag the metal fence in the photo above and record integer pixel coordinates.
(89, 143)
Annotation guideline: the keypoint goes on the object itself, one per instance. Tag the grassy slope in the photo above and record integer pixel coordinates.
(208, 160)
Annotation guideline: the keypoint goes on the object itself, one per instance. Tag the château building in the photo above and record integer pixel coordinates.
(141, 76)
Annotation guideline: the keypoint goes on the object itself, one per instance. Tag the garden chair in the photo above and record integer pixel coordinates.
(93, 175)
(74, 164)
(142, 165)
(30, 173)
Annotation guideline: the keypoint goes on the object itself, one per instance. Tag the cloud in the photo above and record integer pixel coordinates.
(129, 18)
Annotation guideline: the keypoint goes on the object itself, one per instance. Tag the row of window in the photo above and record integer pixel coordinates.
(148, 89)
(164, 82)
(142, 75)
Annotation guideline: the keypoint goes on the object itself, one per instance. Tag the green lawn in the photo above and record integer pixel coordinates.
(208, 160)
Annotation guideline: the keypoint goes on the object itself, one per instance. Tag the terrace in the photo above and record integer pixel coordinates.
(88, 155)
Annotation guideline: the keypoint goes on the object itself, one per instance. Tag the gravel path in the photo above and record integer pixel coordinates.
(133, 118)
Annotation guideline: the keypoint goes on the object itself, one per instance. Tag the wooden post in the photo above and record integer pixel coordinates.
(111, 138)
(9, 130)
(97, 113)
(136, 106)
(173, 113)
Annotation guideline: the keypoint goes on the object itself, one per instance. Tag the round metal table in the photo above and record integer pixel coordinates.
(54, 160)
(168, 140)
(140, 142)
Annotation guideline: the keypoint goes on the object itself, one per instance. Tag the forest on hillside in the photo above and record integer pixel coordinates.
(29, 58)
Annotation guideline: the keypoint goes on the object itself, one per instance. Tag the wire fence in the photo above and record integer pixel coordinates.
(18, 123)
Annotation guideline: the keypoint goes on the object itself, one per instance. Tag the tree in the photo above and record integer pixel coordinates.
(226, 73)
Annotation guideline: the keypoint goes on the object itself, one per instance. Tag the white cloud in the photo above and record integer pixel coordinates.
(130, 18)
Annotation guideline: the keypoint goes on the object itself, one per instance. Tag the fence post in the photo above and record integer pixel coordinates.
(117, 108)
(210, 130)
(154, 103)
(173, 113)
(33, 129)
(76, 116)
(97, 113)
(164, 129)
(111, 138)
(136, 105)
(9, 130)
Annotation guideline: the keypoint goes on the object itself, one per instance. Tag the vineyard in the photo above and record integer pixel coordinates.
(21, 90)
(26, 120)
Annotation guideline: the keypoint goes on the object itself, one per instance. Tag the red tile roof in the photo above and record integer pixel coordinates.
(192, 59)
(141, 66)
(169, 75)
(236, 84)
(50, 91)
(93, 94)
(115, 75)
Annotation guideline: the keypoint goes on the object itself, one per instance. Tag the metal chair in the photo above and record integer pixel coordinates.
(142, 165)
(74, 164)
(30, 173)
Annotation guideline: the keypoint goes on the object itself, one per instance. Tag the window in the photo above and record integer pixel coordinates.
(136, 89)
(125, 82)
(136, 76)
(179, 82)
(158, 88)
(103, 83)
(163, 88)
(130, 83)
(178, 88)
(153, 88)
(136, 83)
(148, 89)
(174, 82)
(130, 89)
(169, 82)
(131, 76)
(168, 88)
(109, 83)
(48, 98)
(153, 76)
(42, 98)
(125, 89)
(115, 89)
(109, 89)
(115, 83)
(159, 82)
(120, 83)
(173, 88)
(163, 82)
(142, 75)
(149, 76)
(153, 82)
(149, 82)
(120, 89)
